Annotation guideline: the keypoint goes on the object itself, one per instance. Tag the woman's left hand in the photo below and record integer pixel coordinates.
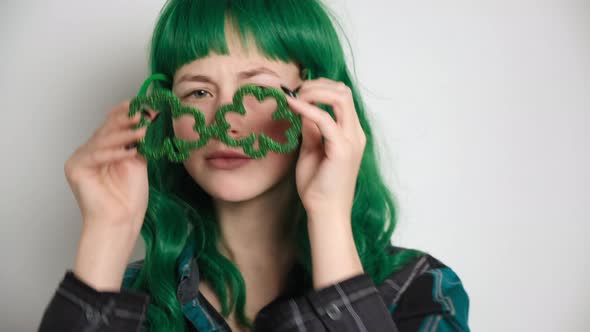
(326, 172)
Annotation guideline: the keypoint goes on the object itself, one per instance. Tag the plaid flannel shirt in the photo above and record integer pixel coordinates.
(425, 295)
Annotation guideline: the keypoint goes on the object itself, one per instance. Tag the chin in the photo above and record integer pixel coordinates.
(239, 190)
(233, 196)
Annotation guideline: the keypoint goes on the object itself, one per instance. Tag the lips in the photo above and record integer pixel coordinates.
(227, 155)
(227, 160)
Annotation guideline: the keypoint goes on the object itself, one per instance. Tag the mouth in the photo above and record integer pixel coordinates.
(227, 163)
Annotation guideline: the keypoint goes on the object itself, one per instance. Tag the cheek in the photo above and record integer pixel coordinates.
(277, 164)
(183, 128)
(259, 120)
(276, 129)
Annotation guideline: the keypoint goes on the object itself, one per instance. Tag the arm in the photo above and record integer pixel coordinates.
(76, 306)
(435, 301)
(432, 301)
(90, 297)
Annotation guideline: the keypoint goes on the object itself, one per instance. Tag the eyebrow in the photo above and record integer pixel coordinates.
(257, 71)
(242, 75)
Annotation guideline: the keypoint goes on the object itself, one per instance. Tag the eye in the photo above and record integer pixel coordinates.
(199, 93)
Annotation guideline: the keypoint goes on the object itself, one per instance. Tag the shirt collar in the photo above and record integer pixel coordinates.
(188, 289)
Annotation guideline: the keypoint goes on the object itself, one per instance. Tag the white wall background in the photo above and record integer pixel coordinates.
(484, 107)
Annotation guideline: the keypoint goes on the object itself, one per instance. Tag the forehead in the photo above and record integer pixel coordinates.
(239, 58)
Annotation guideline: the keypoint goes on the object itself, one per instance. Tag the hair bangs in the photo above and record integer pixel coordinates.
(287, 30)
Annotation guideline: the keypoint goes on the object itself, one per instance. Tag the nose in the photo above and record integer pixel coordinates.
(238, 126)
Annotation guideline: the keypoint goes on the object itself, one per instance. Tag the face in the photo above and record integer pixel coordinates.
(210, 82)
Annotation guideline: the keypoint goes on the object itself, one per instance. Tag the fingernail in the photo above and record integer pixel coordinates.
(288, 92)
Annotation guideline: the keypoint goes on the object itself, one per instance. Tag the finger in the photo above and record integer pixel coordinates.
(341, 102)
(321, 82)
(322, 119)
(339, 86)
(122, 122)
(114, 118)
(98, 157)
(120, 119)
(120, 138)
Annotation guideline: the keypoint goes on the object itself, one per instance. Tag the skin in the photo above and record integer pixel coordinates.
(252, 203)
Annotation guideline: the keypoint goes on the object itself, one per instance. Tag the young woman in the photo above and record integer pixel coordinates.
(296, 241)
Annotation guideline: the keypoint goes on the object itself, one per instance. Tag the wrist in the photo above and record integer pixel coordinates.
(103, 254)
(333, 250)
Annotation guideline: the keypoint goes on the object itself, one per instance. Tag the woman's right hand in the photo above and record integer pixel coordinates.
(109, 181)
(110, 184)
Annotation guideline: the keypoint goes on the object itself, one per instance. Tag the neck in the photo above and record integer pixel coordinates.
(258, 234)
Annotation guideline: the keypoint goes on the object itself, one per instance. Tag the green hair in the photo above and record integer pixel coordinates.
(180, 212)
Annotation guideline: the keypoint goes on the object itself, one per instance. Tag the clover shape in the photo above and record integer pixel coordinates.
(265, 143)
(175, 149)
(178, 150)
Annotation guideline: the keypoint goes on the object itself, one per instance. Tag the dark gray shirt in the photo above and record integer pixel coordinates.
(425, 295)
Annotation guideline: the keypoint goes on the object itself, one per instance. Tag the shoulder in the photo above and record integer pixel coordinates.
(131, 272)
(425, 288)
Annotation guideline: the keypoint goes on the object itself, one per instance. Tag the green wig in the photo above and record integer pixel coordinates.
(181, 213)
